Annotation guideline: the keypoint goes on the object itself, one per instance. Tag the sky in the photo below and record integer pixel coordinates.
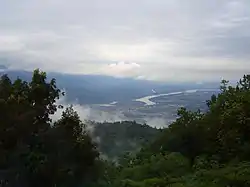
(167, 40)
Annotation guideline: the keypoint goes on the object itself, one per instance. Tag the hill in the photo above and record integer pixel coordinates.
(116, 139)
(208, 149)
(99, 89)
(199, 149)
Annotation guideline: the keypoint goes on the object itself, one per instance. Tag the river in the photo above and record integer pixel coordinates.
(147, 100)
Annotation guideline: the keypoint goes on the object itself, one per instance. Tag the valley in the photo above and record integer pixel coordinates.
(155, 110)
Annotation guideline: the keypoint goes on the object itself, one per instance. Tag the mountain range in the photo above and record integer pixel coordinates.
(101, 89)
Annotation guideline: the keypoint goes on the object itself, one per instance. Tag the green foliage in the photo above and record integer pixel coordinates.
(173, 164)
(199, 149)
(33, 151)
(115, 139)
(209, 149)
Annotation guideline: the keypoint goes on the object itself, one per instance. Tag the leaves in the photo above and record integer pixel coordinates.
(203, 150)
(209, 149)
(33, 151)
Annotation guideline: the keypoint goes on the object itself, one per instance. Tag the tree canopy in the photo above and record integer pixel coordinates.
(210, 149)
(33, 151)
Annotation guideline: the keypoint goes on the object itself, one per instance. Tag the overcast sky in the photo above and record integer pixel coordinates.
(170, 40)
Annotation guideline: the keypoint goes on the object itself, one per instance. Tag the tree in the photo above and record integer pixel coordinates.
(77, 161)
(33, 151)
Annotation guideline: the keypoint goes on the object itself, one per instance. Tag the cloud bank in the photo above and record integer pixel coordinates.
(170, 40)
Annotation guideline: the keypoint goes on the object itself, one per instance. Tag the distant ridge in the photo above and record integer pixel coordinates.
(3, 67)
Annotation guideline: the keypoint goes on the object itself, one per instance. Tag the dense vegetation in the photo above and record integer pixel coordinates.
(35, 152)
(115, 139)
(209, 149)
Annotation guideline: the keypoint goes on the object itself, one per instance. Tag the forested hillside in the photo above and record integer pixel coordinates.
(198, 150)
(209, 149)
(118, 138)
(34, 152)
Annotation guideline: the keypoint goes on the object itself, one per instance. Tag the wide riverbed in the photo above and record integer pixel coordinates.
(147, 100)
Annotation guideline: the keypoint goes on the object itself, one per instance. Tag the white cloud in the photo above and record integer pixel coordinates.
(121, 69)
(170, 39)
(10, 43)
(87, 112)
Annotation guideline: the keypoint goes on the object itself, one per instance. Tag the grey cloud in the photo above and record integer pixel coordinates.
(166, 37)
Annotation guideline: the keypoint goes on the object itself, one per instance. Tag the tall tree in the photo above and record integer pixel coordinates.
(33, 151)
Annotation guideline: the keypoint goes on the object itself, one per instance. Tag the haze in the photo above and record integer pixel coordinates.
(167, 40)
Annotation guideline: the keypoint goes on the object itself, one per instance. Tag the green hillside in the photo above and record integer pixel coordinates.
(209, 149)
(198, 150)
(118, 138)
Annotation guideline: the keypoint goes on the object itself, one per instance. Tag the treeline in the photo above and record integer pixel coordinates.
(115, 139)
(209, 149)
(33, 150)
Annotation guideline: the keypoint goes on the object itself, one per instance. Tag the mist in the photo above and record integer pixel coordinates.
(88, 113)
